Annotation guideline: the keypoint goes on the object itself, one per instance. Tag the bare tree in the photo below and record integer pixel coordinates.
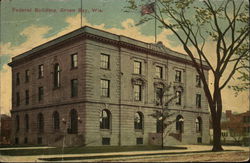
(164, 98)
(195, 23)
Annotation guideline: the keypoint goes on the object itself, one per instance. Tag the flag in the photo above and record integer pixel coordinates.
(148, 8)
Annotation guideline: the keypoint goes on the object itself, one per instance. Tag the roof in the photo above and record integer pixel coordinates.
(85, 31)
(4, 116)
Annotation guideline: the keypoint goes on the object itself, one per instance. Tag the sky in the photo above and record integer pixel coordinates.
(26, 24)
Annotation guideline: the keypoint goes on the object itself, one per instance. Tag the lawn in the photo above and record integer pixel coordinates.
(79, 150)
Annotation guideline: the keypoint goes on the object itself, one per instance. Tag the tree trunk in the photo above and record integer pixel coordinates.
(217, 136)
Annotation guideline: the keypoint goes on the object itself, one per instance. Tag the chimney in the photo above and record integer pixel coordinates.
(228, 113)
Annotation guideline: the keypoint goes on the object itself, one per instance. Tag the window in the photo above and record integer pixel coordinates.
(17, 123)
(57, 76)
(198, 125)
(246, 129)
(138, 121)
(26, 120)
(159, 126)
(198, 100)
(25, 140)
(105, 119)
(139, 141)
(179, 124)
(17, 78)
(39, 140)
(40, 93)
(199, 140)
(74, 88)
(105, 62)
(178, 76)
(105, 141)
(17, 99)
(159, 96)
(74, 60)
(16, 140)
(73, 122)
(138, 90)
(178, 100)
(40, 71)
(198, 81)
(246, 119)
(27, 97)
(40, 123)
(27, 75)
(56, 120)
(104, 88)
(137, 67)
(159, 73)
(224, 134)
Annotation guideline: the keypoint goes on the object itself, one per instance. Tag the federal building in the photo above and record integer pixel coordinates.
(93, 88)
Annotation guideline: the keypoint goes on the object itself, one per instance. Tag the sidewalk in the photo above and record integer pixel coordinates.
(114, 155)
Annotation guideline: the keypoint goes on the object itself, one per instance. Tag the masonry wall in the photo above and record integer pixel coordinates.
(55, 99)
(89, 103)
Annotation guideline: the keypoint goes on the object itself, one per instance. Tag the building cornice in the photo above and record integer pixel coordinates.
(107, 103)
(108, 38)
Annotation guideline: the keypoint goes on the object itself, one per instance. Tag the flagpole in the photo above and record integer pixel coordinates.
(155, 21)
(81, 14)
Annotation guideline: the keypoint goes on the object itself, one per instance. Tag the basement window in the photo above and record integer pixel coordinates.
(105, 141)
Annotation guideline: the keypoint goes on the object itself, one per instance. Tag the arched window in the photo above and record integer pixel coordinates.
(179, 124)
(198, 124)
(26, 120)
(40, 123)
(57, 76)
(73, 122)
(105, 119)
(17, 123)
(138, 121)
(56, 120)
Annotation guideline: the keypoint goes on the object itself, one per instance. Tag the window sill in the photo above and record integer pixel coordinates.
(72, 133)
(159, 78)
(137, 74)
(56, 88)
(108, 69)
(138, 130)
(56, 130)
(178, 82)
(105, 97)
(74, 68)
(105, 130)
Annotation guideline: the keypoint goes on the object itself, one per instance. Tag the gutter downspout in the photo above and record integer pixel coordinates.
(120, 90)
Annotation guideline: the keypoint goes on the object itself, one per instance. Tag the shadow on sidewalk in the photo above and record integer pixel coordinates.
(71, 158)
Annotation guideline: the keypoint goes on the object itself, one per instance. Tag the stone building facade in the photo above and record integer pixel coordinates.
(90, 87)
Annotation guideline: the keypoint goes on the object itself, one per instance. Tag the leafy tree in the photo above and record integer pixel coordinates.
(164, 98)
(223, 25)
(244, 71)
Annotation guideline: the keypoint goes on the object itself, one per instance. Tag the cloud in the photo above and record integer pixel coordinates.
(3, 60)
